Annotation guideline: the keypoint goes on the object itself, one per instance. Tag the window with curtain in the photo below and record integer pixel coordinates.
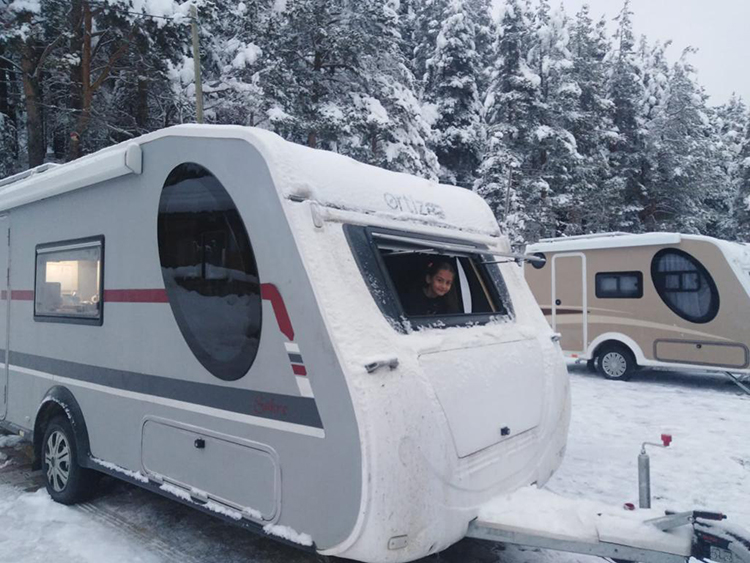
(619, 285)
(685, 285)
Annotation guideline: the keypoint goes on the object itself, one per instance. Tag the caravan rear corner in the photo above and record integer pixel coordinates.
(219, 316)
(660, 299)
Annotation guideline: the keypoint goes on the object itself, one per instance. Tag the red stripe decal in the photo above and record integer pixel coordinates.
(271, 293)
(268, 291)
(299, 370)
(136, 296)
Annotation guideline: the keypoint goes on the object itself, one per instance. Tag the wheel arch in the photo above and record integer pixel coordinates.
(61, 401)
(616, 338)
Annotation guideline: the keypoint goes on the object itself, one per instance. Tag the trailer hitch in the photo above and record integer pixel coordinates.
(718, 542)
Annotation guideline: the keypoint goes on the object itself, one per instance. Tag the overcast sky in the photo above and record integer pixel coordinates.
(717, 28)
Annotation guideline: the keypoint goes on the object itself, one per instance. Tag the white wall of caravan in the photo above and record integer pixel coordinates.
(413, 482)
(321, 474)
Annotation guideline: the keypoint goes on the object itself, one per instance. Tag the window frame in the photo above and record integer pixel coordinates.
(601, 294)
(661, 289)
(96, 241)
(377, 278)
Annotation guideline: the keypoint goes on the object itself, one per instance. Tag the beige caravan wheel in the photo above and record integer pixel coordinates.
(615, 362)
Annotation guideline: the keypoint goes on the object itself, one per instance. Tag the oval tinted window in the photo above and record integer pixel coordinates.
(209, 271)
(685, 285)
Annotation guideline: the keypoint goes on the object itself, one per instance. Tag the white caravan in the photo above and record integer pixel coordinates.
(218, 315)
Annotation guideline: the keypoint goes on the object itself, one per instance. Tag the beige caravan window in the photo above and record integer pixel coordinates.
(68, 286)
(619, 285)
(685, 285)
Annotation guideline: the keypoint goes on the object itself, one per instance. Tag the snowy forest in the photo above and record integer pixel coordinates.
(565, 123)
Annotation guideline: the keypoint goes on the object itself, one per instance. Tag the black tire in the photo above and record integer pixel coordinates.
(615, 361)
(591, 365)
(65, 480)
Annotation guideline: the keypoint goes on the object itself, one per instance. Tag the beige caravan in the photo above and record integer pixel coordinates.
(658, 299)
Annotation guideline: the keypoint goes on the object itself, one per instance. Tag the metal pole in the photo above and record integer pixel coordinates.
(507, 194)
(644, 471)
(644, 480)
(197, 65)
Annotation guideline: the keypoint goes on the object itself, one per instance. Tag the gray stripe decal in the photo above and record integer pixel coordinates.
(295, 358)
(285, 408)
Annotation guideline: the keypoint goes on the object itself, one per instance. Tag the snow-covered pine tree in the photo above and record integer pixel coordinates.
(450, 87)
(625, 90)
(238, 52)
(511, 107)
(554, 153)
(729, 124)
(655, 152)
(686, 171)
(24, 36)
(591, 194)
(742, 201)
(336, 78)
(398, 136)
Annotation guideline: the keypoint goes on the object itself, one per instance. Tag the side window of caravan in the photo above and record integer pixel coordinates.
(619, 285)
(430, 282)
(209, 271)
(68, 286)
(685, 285)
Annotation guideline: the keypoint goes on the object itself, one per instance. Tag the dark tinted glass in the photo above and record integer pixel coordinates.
(685, 285)
(619, 285)
(209, 271)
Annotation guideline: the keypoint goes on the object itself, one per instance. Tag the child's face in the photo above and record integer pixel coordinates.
(440, 283)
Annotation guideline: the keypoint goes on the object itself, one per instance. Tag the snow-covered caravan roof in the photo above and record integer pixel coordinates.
(736, 252)
(604, 240)
(299, 172)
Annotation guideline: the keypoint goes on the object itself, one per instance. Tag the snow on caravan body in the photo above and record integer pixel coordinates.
(658, 299)
(215, 312)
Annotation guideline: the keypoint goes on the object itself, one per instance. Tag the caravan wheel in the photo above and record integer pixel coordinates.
(66, 481)
(615, 361)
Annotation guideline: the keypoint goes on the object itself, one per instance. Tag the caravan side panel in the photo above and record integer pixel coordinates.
(298, 437)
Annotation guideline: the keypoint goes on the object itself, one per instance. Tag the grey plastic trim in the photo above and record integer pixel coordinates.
(288, 408)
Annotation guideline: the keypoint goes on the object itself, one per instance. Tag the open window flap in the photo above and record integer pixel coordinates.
(387, 241)
(397, 243)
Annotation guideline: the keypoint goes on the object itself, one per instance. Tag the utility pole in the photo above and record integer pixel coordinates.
(507, 192)
(197, 65)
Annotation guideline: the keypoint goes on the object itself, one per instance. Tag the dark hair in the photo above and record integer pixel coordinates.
(434, 267)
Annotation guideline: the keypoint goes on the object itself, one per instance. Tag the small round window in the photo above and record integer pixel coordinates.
(685, 285)
(209, 271)
(541, 263)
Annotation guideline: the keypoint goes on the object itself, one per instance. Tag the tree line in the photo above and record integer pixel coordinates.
(561, 125)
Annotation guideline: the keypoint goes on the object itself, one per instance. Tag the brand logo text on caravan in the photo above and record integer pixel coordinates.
(415, 206)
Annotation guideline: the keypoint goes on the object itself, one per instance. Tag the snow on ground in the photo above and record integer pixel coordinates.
(707, 466)
(33, 528)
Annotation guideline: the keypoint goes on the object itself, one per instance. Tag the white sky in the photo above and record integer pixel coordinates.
(717, 28)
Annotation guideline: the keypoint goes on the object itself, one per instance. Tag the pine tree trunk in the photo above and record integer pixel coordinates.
(141, 111)
(76, 80)
(32, 90)
(84, 115)
(6, 106)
